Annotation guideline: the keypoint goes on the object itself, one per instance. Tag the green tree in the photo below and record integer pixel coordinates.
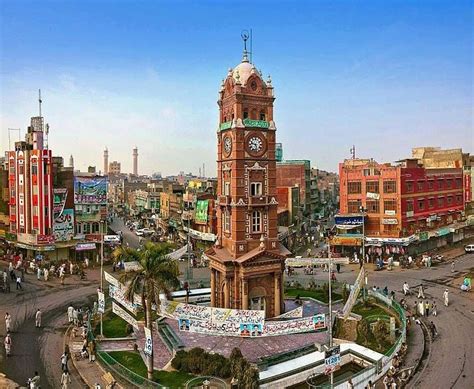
(158, 273)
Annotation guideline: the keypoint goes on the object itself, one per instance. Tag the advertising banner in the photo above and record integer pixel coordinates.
(359, 283)
(85, 246)
(124, 315)
(90, 190)
(101, 302)
(201, 211)
(293, 314)
(332, 359)
(118, 294)
(148, 348)
(346, 241)
(111, 279)
(349, 220)
(63, 225)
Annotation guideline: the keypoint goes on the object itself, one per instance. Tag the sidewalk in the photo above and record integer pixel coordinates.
(91, 372)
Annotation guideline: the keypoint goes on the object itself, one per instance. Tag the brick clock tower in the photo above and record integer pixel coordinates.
(247, 261)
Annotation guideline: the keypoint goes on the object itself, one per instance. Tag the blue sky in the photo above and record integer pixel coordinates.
(383, 75)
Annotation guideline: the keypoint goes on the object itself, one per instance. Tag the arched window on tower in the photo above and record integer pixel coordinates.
(262, 115)
(256, 221)
(246, 113)
(253, 116)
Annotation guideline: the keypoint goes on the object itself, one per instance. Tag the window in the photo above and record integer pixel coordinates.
(373, 206)
(226, 188)
(262, 115)
(12, 169)
(246, 114)
(366, 172)
(431, 203)
(421, 205)
(430, 184)
(255, 189)
(440, 184)
(440, 202)
(372, 186)
(389, 187)
(353, 206)
(35, 210)
(410, 206)
(256, 221)
(420, 186)
(354, 187)
(21, 169)
(409, 185)
(459, 199)
(458, 182)
(226, 221)
(449, 184)
(450, 200)
(389, 205)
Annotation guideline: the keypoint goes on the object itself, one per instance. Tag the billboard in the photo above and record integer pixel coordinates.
(90, 190)
(201, 211)
(63, 225)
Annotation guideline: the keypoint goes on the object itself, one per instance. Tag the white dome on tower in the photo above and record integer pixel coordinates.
(244, 70)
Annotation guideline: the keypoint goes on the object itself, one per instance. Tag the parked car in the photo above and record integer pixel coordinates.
(139, 233)
(148, 231)
(469, 248)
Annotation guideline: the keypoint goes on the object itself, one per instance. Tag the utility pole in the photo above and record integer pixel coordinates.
(102, 274)
(330, 306)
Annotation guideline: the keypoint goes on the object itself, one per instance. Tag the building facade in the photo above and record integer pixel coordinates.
(114, 168)
(247, 261)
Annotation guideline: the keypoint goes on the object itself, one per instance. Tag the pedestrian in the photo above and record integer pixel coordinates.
(421, 308)
(8, 344)
(434, 331)
(415, 308)
(338, 267)
(8, 322)
(18, 283)
(427, 308)
(65, 380)
(71, 268)
(12, 275)
(46, 274)
(452, 267)
(446, 298)
(434, 310)
(370, 385)
(38, 318)
(385, 291)
(38, 273)
(92, 348)
(64, 359)
(63, 276)
(421, 293)
(79, 316)
(10, 266)
(74, 317)
(35, 381)
(86, 261)
(70, 312)
(406, 288)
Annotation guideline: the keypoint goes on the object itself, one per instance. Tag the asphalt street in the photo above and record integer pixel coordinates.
(128, 236)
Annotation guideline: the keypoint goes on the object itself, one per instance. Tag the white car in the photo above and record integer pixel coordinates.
(469, 248)
(139, 232)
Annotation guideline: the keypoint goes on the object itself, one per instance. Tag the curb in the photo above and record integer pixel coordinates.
(66, 335)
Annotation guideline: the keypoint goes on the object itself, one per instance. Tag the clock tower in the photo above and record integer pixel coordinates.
(247, 261)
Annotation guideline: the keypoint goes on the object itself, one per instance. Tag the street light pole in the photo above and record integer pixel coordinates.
(330, 306)
(102, 273)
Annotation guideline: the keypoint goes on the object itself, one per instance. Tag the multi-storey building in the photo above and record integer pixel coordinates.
(114, 168)
(402, 205)
(247, 261)
(31, 190)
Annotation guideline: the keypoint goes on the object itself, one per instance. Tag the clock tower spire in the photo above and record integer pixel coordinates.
(247, 261)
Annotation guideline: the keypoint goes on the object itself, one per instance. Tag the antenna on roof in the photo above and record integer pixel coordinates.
(39, 101)
(353, 152)
(251, 46)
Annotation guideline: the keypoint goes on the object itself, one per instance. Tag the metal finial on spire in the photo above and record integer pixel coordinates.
(39, 101)
(245, 36)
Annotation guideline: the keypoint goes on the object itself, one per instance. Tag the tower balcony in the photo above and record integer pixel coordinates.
(224, 200)
(258, 201)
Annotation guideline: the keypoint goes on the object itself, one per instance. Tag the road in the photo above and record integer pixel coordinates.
(128, 236)
(40, 349)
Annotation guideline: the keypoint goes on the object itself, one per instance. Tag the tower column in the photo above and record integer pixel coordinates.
(245, 297)
(213, 288)
(277, 293)
(227, 293)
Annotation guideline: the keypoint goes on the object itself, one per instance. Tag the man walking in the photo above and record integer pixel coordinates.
(18, 283)
(65, 380)
(46, 274)
(64, 359)
(446, 298)
(38, 318)
(452, 267)
(421, 293)
(8, 344)
(70, 312)
(406, 288)
(8, 322)
(427, 308)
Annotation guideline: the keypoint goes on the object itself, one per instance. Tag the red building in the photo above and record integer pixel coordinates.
(403, 204)
(31, 190)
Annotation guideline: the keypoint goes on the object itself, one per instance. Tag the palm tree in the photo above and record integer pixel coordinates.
(158, 274)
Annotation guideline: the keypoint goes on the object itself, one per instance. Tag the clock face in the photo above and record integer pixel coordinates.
(227, 145)
(253, 85)
(255, 144)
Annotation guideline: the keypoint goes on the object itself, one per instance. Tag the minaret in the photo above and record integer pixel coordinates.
(71, 161)
(135, 161)
(106, 161)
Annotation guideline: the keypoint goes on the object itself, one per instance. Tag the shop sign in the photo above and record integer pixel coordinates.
(443, 231)
(346, 241)
(349, 220)
(10, 236)
(423, 236)
(332, 359)
(85, 246)
(390, 213)
(390, 221)
(27, 238)
(44, 239)
(373, 196)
